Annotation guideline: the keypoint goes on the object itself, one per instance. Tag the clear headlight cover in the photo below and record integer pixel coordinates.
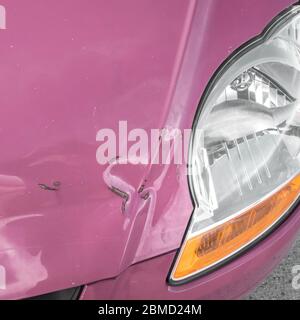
(245, 150)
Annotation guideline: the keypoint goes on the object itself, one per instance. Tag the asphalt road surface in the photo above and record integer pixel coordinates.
(279, 284)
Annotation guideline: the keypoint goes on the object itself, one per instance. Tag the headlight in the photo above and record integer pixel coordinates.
(245, 150)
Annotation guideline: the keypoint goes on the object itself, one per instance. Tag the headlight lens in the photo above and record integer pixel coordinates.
(245, 150)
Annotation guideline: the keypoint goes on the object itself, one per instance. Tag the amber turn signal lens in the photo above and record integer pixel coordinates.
(212, 246)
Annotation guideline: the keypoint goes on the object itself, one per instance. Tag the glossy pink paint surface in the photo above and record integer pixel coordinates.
(70, 68)
(147, 280)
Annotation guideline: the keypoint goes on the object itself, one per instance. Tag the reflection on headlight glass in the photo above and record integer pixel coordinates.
(245, 150)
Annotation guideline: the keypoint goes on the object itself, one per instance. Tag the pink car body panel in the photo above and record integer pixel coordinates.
(146, 280)
(70, 68)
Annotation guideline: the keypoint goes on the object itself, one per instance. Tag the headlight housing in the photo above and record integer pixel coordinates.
(244, 162)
